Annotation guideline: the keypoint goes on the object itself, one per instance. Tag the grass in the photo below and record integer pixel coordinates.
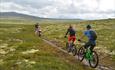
(104, 28)
(20, 49)
(105, 42)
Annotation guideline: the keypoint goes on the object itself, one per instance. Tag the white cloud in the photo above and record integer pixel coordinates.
(107, 5)
(86, 9)
(10, 6)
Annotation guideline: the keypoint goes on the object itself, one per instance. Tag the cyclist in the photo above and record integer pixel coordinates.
(91, 34)
(72, 34)
(37, 29)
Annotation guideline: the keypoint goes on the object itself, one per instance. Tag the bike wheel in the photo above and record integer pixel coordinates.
(94, 62)
(74, 50)
(81, 53)
(67, 47)
(39, 34)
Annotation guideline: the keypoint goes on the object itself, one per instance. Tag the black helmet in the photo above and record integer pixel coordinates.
(89, 26)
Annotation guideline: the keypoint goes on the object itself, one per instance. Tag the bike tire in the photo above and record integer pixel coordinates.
(74, 50)
(81, 53)
(97, 60)
(67, 48)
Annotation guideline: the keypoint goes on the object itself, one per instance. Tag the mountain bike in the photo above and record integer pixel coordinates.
(38, 32)
(71, 47)
(91, 57)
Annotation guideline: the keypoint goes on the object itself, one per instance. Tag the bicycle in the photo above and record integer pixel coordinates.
(39, 33)
(92, 57)
(71, 47)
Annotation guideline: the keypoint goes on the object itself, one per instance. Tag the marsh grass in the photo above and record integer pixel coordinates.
(22, 50)
(105, 42)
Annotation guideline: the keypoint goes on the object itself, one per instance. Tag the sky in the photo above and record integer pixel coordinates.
(70, 9)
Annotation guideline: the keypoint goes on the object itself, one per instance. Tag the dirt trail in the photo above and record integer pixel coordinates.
(100, 66)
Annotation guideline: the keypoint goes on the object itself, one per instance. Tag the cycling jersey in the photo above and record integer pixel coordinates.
(37, 28)
(71, 36)
(88, 34)
(71, 32)
(91, 42)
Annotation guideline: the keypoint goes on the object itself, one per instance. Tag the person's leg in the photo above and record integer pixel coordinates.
(73, 40)
(87, 45)
(92, 46)
(39, 33)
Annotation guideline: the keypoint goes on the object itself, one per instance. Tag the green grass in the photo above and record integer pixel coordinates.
(18, 40)
(104, 28)
(15, 42)
(105, 42)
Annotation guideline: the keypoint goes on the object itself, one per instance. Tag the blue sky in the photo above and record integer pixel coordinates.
(83, 9)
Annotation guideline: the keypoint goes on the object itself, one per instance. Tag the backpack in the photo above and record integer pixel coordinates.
(93, 35)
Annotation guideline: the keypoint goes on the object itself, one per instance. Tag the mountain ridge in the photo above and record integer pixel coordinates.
(17, 15)
(21, 15)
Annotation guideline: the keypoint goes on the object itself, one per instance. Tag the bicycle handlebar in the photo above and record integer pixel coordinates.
(81, 41)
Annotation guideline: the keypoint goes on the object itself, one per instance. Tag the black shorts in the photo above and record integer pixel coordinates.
(90, 44)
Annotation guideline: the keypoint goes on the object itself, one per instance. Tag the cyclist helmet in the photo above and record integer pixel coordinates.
(88, 26)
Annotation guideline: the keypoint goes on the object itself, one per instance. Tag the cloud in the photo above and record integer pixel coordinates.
(86, 9)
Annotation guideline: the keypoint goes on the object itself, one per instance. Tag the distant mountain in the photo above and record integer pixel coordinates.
(14, 15)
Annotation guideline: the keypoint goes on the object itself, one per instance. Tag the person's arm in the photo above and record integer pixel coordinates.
(66, 32)
(82, 36)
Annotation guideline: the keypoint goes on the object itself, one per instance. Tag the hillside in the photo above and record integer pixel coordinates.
(17, 16)
(21, 49)
(13, 16)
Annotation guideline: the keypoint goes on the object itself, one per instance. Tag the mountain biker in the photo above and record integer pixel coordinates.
(72, 34)
(91, 34)
(37, 29)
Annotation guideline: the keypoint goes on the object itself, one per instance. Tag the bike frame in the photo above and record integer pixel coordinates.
(88, 54)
